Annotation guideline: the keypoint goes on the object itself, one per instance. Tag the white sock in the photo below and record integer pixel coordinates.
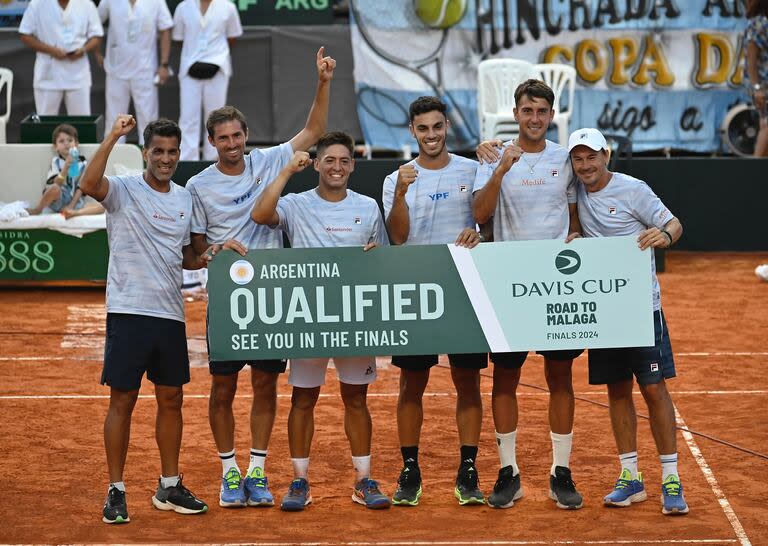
(561, 450)
(628, 462)
(300, 467)
(228, 462)
(168, 481)
(120, 486)
(362, 466)
(668, 465)
(258, 459)
(505, 442)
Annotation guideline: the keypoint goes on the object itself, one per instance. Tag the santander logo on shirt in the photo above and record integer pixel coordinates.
(161, 217)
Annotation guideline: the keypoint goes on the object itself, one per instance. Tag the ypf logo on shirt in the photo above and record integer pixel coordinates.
(567, 262)
(241, 272)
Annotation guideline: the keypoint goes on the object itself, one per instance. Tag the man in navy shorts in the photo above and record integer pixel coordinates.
(612, 205)
(148, 219)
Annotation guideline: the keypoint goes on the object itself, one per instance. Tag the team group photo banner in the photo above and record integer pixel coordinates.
(411, 300)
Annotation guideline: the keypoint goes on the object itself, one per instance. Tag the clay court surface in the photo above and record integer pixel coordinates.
(53, 472)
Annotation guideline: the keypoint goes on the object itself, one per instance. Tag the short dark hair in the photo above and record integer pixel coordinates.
(222, 115)
(65, 128)
(535, 89)
(756, 7)
(335, 137)
(422, 105)
(161, 127)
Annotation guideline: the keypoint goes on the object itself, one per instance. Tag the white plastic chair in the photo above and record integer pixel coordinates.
(562, 79)
(6, 80)
(497, 80)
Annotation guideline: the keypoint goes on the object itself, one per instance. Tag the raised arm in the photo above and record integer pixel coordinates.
(399, 218)
(485, 199)
(318, 114)
(265, 209)
(93, 182)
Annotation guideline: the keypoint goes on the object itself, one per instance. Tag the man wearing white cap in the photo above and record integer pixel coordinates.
(610, 205)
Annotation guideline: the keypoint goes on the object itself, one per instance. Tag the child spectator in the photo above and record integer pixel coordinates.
(62, 193)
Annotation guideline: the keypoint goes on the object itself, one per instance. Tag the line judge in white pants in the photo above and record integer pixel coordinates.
(62, 32)
(131, 57)
(207, 29)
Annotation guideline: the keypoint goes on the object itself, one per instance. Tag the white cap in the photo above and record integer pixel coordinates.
(592, 138)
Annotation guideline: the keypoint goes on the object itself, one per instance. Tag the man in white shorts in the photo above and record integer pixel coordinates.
(131, 61)
(614, 205)
(329, 215)
(529, 193)
(223, 195)
(428, 201)
(62, 33)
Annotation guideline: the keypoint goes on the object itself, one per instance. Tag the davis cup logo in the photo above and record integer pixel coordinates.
(567, 262)
(241, 272)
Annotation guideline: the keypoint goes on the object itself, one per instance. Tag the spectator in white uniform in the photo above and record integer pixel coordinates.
(62, 32)
(208, 28)
(131, 57)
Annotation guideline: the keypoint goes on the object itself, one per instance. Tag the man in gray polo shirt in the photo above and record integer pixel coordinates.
(612, 205)
(148, 218)
(223, 195)
(529, 195)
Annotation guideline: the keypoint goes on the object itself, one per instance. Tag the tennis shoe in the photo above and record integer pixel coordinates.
(179, 499)
(298, 496)
(506, 490)
(626, 490)
(467, 489)
(232, 494)
(257, 489)
(408, 490)
(562, 490)
(367, 493)
(672, 499)
(115, 507)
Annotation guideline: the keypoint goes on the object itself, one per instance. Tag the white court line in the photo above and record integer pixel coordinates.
(741, 535)
(335, 395)
(456, 542)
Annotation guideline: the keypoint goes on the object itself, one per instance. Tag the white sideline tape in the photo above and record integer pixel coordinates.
(741, 535)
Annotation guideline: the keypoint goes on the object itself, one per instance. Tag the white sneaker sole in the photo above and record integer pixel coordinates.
(564, 506)
(169, 506)
(510, 504)
(637, 497)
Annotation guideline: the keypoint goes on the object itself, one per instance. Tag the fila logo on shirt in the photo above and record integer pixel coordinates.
(358, 220)
(242, 198)
(555, 173)
(463, 188)
(181, 214)
(654, 366)
(438, 196)
(611, 210)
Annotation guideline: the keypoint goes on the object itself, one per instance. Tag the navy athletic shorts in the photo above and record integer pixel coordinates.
(648, 364)
(138, 344)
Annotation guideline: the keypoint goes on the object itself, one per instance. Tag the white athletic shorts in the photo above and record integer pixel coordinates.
(309, 373)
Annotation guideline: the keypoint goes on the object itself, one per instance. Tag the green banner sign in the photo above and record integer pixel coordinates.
(47, 255)
(279, 12)
(430, 299)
